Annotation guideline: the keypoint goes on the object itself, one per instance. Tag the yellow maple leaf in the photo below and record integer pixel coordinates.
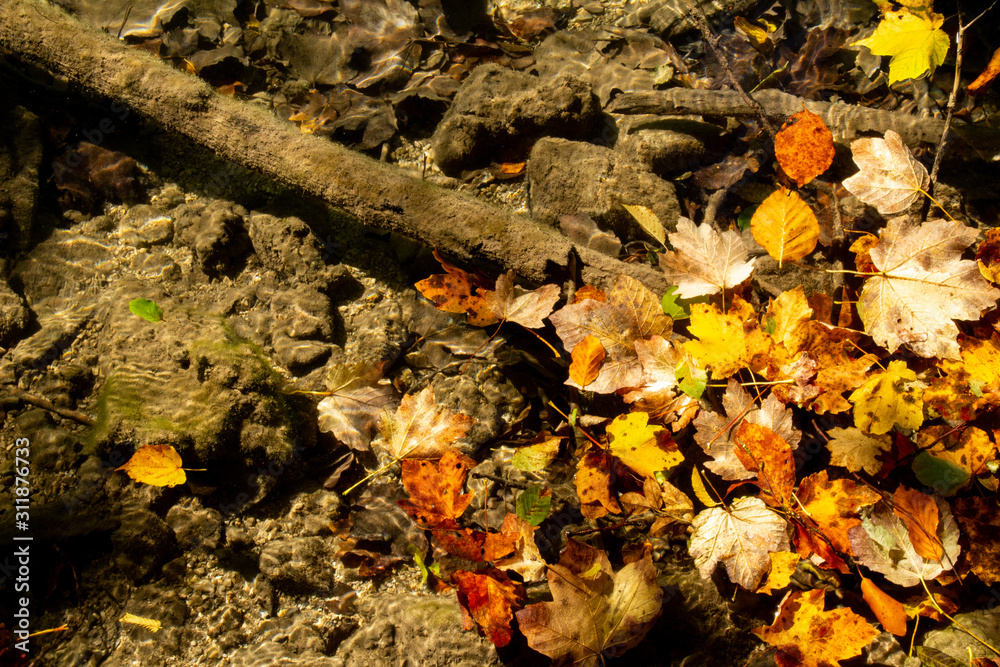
(915, 42)
(158, 465)
(637, 444)
(726, 343)
(856, 450)
(783, 564)
(887, 398)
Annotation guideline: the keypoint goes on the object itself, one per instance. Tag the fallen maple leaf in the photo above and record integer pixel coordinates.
(890, 179)
(785, 226)
(762, 451)
(833, 506)
(704, 261)
(351, 410)
(435, 488)
(593, 485)
(807, 636)
(727, 342)
(420, 429)
(888, 398)
(783, 565)
(856, 450)
(631, 313)
(525, 559)
(595, 613)
(804, 148)
(741, 539)
(915, 42)
(157, 465)
(923, 284)
(948, 460)
(511, 303)
(454, 292)
(638, 444)
(488, 599)
(882, 543)
(971, 385)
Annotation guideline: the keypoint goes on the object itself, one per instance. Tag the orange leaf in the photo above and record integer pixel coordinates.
(984, 80)
(420, 428)
(807, 636)
(593, 485)
(435, 488)
(452, 292)
(920, 514)
(783, 565)
(157, 465)
(489, 599)
(988, 256)
(785, 226)
(980, 521)
(763, 451)
(588, 355)
(888, 610)
(804, 147)
(834, 505)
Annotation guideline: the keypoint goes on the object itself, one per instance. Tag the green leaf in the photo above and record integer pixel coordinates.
(932, 657)
(533, 506)
(770, 326)
(418, 558)
(691, 382)
(671, 306)
(146, 309)
(746, 215)
(943, 476)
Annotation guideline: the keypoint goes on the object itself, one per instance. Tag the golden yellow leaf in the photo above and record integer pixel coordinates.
(785, 226)
(915, 42)
(420, 428)
(726, 343)
(158, 465)
(648, 220)
(637, 444)
(887, 398)
(856, 450)
(971, 385)
(700, 492)
(783, 564)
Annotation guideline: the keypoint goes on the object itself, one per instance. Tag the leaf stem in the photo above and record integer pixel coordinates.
(958, 625)
(370, 475)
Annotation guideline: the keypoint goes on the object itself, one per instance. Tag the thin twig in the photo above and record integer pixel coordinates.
(499, 480)
(701, 21)
(46, 404)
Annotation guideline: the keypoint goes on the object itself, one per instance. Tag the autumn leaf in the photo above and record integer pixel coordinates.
(764, 452)
(593, 485)
(587, 356)
(980, 521)
(856, 450)
(511, 303)
(969, 386)
(704, 261)
(525, 559)
(631, 313)
(915, 42)
(783, 565)
(888, 610)
(785, 226)
(726, 342)
(454, 292)
(595, 612)
(537, 455)
(648, 220)
(988, 254)
(157, 465)
(435, 488)
(804, 148)
(351, 410)
(882, 543)
(923, 284)
(948, 460)
(489, 598)
(919, 513)
(533, 504)
(638, 444)
(833, 506)
(420, 429)
(741, 539)
(888, 398)
(660, 394)
(715, 432)
(891, 179)
(808, 636)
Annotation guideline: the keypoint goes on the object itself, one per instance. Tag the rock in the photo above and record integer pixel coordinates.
(672, 146)
(214, 230)
(144, 226)
(14, 315)
(956, 643)
(299, 564)
(498, 114)
(415, 629)
(20, 162)
(195, 527)
(672, 17)
(490, 399)
(287, 246)
(570, 177)
(142, 544)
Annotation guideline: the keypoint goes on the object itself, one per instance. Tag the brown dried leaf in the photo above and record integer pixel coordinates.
(351, 411)
(515, 304)
(420, 429)
(890, 179)
(704, 261)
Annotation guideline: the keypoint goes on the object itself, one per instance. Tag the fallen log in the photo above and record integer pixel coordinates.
(378, 195)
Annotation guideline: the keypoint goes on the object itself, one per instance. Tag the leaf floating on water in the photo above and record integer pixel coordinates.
(150, 624)
(157, 465)
(146, 309)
